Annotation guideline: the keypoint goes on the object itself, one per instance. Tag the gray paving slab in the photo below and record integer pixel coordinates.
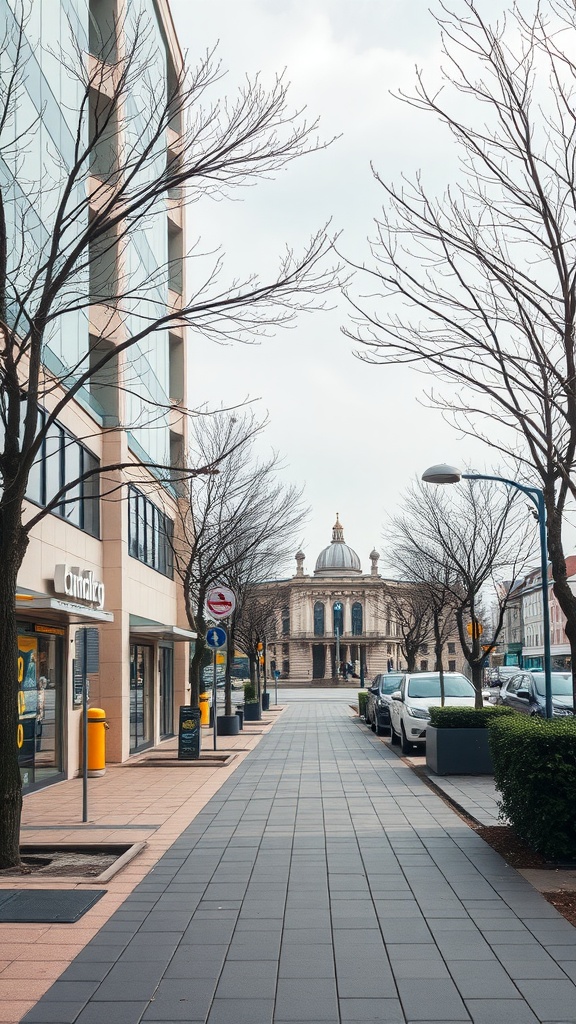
(325, 882)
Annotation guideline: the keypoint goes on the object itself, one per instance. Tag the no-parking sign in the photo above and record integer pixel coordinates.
(220, 602)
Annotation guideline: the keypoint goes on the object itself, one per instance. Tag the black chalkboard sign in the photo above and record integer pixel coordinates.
(188, 733)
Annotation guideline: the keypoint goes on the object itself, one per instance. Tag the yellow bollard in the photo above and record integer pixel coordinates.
(97, 726)
(205, 708)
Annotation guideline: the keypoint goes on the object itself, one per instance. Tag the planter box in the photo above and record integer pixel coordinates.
(252, 712)
(227, 725)
(458, 751)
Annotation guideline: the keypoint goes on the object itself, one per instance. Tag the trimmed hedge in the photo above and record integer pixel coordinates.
(535, 772)
(362, 701)
(467, 718)
(249, 693)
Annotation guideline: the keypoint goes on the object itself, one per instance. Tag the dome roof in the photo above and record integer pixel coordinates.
(337, 559)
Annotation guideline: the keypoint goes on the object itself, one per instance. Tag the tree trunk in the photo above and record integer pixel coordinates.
(566, 599)
(438, 648)
(11, 555)
(197, 662)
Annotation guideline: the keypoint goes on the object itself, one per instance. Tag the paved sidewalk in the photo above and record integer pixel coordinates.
(324, 881)
(475, 794)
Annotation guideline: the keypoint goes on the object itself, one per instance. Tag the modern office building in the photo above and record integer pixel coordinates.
(103, 560)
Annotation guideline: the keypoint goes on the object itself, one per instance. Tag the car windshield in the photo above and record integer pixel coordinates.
(561, 684)
(388, 684)
(429, 686)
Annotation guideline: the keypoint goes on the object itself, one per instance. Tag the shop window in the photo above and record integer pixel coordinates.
(357, 619)
(61, 458)
(318, 619)
(150, 534)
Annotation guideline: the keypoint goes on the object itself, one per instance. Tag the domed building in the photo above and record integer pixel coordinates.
(335, 618)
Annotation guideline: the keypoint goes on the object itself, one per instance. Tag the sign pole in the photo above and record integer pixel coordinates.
(85, 724)
(214, 693)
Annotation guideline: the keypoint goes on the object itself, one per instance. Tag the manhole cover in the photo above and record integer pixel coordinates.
(46, 906)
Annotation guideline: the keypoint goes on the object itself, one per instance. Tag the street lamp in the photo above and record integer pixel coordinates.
(443, 474)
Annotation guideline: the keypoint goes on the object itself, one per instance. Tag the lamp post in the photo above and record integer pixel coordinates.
(443, 474)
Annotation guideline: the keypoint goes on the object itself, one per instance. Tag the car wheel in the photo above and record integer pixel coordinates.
(406, 746)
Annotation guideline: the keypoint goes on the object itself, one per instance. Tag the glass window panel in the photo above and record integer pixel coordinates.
(141, 528)
(53, 463)
(91, 495)
(150, 516)
(72, 508)
(356, 619)
(318, 619)
(133, 522)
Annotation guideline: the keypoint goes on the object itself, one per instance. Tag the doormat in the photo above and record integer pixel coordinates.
(46, 906)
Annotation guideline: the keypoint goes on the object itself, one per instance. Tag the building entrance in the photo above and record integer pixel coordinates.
(40, 703)
(141, 692)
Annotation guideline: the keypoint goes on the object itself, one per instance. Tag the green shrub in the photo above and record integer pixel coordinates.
(467, 718)
(535, 772)
(362, 701)
(249, 693)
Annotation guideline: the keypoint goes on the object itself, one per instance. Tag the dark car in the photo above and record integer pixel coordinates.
(526, 692)
(377, 714)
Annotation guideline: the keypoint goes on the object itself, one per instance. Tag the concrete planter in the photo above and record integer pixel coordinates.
(252, 712)
(227, 725)
(458, 751)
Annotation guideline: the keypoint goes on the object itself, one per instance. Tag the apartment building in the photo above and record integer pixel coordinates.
(104, 559)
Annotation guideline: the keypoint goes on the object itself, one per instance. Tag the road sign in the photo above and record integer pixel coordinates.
(220, 602)
(474, 629)
(215, 637)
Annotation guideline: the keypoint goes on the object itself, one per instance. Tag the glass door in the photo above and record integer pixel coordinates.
(166, 691)
(141, 693)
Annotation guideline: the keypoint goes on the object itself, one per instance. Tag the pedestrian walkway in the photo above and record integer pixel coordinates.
(324, 882)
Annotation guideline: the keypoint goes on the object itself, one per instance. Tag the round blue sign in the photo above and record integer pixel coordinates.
(215, 637)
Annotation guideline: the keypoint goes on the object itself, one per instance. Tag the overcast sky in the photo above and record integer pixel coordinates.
(354, 435)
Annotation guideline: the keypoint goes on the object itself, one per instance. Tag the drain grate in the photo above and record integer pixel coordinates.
(46, 906)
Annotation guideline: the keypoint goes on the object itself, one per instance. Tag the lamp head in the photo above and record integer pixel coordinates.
(442, 474)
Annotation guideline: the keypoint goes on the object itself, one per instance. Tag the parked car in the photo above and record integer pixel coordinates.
(409, 714)
(377, 713)
(526, 692)
(498, 674)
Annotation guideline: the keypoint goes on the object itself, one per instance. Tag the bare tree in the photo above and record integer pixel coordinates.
(457, 545)
(67, 222)
(257, 623)
(484, 278)
(238, 526)
(413, 615)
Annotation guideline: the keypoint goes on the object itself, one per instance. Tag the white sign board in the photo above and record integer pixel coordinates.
(220, 602)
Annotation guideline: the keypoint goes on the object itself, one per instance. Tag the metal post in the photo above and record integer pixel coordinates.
(337, 666)
(536, 494)
(85, 725)
(361, 651)
(214, 695)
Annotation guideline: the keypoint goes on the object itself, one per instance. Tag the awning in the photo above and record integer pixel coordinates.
(140, 627)
(53, 607)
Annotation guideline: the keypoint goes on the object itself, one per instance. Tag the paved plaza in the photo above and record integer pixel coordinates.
(324, 881)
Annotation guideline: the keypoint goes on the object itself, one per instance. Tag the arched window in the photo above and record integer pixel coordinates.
(318, 619)
(356, 619)
(285, 622)
(338, 613)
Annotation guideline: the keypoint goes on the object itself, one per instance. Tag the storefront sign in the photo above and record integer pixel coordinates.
(79, 583)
